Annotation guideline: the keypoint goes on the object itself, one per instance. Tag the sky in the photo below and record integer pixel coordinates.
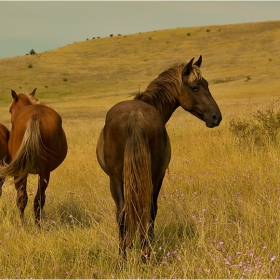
(47, 25)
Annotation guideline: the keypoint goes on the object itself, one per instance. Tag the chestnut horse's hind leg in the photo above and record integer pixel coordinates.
(40, 197)
(21, 195)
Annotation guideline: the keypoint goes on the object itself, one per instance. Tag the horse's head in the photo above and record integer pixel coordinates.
(195, 96)
(19, 101)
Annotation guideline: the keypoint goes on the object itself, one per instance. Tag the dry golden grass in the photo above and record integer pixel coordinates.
(219, 205)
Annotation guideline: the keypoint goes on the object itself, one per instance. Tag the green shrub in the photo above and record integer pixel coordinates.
(30, 66)
(32, 52)
(262, 129)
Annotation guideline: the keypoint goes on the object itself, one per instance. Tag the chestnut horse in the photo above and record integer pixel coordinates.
(37, 145)
(134, 148)
(4, 138)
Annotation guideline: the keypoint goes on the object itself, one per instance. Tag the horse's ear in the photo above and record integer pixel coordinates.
(14, 95)
(198, 62)
(188, 68)
(33, 92)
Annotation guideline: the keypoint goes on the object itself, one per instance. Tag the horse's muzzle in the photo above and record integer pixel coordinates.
(213, 121)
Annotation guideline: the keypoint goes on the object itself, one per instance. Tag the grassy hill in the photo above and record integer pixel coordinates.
(219, 207)
(239, 60)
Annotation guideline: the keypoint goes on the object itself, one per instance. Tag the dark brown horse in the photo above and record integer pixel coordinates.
(134, 148)
(4, 138)
(37, 145)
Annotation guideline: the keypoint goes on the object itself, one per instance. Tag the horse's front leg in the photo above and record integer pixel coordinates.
(22, 197)
(40, 197)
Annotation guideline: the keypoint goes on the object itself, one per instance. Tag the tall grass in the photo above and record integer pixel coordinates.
(218, 210)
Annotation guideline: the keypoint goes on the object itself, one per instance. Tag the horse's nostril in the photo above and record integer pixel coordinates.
(216, 119)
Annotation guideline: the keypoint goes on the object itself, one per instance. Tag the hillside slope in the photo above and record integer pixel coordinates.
(238, 60)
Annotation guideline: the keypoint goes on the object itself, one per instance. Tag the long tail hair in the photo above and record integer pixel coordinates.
(30, 151)
(137, 177)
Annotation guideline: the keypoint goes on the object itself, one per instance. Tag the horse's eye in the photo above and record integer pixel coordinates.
(194, 88)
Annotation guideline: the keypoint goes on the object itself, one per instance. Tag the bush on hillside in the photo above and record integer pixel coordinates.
(32, 52)
(262, 129)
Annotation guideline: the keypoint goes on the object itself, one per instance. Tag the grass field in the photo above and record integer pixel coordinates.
(219, 206)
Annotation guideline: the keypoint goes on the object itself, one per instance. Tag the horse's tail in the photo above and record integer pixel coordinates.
(27, 156)
(137, 177)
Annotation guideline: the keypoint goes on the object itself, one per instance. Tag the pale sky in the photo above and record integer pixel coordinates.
(43, 26)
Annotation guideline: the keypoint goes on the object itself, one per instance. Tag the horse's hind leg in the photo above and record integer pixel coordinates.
(116, 187)
(154, 208)
(122, 236)
(145, 244)
(22, 197)
(147, 235)
(40, 197)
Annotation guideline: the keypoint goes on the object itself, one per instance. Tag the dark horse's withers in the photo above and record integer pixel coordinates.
(134, 148)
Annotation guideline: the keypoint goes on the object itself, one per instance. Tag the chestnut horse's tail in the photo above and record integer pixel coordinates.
(27, 156)
(137, 177)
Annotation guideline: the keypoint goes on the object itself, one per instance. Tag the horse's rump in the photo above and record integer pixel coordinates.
(132, 146)
(36, 142)
(26, 158)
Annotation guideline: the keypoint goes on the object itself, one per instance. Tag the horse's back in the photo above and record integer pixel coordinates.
(52, 134)
(112, 141)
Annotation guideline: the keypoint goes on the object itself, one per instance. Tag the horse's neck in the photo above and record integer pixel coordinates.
(165, 107)
(167, 110)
